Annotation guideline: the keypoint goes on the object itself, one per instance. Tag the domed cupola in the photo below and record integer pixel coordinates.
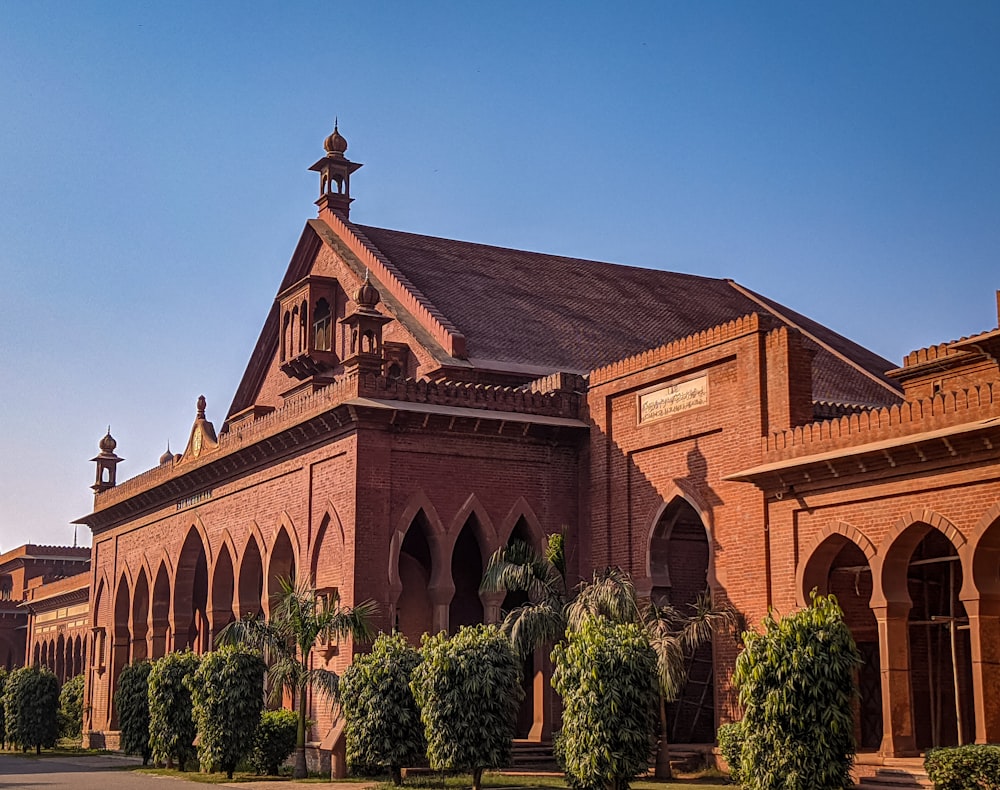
(335, 171)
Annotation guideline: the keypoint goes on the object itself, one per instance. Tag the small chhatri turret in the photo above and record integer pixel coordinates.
(365, 325)
(167, 457)
(107, 463)
(335, 175)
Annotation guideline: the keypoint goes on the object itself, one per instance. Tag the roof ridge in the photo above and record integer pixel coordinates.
(443, 330)
(811, 335)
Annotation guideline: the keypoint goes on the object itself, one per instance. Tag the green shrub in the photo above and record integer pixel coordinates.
(606, 676)
(227, 694)
(31, 704)
(468, 688)
(4, 674)
(71, 708)
(275, 741)
(132, 704)
(171, 722)
(796, 686)
(973, 767)
(731, 739)
(383, 720)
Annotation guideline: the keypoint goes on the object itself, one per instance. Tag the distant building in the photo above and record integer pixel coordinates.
(414, 403)
(29, 571)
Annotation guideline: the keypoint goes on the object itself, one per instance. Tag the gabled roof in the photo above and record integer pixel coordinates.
(522, 307)
(517, 310)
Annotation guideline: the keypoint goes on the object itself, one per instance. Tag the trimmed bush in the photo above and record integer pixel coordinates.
(972, 767)
(71, 708)
(171, 722)
(31, 704)
(275, 741)
(227, 694)
(796, 686)
(132, 704)
(606, 676)
(383, 720)
(731, 737)
(4, 674)
(468, 687)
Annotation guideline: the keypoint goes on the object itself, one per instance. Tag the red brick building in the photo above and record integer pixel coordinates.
(27, 572)
(414, 403)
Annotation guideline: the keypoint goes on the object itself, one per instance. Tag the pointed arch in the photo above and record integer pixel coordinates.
(140, 615)
(522, 510)
(472, 540)
(486, 535)
(814, 568)
(159, 609)
(250, 578)
(281, 564)
(99, 601)
(222, 590)
(983, 557)
(677, 493)
(190, 593)
(329, 544)
(435, 535)
(286, 524)
(897, 547)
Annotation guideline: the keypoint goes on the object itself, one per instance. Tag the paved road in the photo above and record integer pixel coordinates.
(105, 773)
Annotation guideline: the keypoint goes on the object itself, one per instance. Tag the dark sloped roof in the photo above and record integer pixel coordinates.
(530, 308)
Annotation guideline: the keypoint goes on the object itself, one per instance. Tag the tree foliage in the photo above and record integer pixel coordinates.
(275, 741)
(383, 720)
(300, 620)
(468, 688)
(969, 767)
(4, 674)
(71, 708)
(171, 722)
(227, 694)
(606, 676)
(796, 686)
(31, 708)
(132, 704)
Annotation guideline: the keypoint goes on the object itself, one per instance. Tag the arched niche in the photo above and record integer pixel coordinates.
(223, 585)
(140, 617)
(190, 620)
(466, 607)
(250, 589)
(280, 566)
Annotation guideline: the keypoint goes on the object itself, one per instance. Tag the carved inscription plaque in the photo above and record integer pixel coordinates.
(673, 399)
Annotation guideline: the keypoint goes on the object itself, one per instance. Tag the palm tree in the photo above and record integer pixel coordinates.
(549, 612)
(300, 618)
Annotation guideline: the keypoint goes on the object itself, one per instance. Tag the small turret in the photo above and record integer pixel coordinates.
(107, 463)
(335, 175)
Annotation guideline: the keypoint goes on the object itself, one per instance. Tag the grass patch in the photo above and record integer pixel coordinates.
(63, 749)
(703, 780)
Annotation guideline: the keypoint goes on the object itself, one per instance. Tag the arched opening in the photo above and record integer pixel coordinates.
(45, 655)
(222, 592)
(38, 655)
(678, 566)
(191, 596)
(940, 653)
(59, 663)
(281, 565)
(286, 337)
(466, 608)
(325, 568)
(838, 566)
(140, 617)
(251, 583)
(78, 650)
(121, 640)
(302, 327)
(322, 326)
(160, 613)
(512, 600)
(414, 610)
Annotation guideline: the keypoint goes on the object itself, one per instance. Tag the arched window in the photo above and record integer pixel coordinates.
(322, 326)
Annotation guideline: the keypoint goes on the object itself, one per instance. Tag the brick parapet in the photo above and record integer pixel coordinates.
(910, 417)
(556, 403)
(748, 324)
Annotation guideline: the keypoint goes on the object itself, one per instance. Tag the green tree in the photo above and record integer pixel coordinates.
(132, 704)
(300, 619)
(674, 634)
(171, 722)
(383, 720)
(71, 708)
(796, 686)
(31, 705)
(606, 676)
(4, 674)
(468, 688)
(275, 741)
(227, 692)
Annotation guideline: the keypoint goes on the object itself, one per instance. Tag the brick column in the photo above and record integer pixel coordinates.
(984, 633)
(894, 655)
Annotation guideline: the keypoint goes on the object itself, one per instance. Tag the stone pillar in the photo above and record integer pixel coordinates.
(541, 689)
(440, 596)
(491, 606)
(894, 655)
(984, 633)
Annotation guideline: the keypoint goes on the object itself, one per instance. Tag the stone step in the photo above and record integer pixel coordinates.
(888, 778)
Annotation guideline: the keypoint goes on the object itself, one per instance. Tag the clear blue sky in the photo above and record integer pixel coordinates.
(842, 158)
